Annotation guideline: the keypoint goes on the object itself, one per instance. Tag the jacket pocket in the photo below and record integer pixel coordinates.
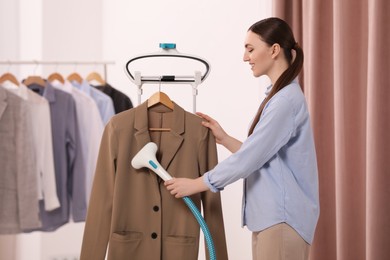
(123, 236)
(180, 247)
(124, 245)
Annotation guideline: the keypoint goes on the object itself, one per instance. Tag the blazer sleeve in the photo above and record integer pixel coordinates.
(47, 160)
(76, 164)
(27, 181)
(97, 226)
(211, 202)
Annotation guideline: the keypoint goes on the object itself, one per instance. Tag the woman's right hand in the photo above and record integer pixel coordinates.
(221, 137)
(218, 132)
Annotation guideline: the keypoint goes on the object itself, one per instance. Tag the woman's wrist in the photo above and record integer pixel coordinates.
(231, 144)
(200, 185)
(225, 141)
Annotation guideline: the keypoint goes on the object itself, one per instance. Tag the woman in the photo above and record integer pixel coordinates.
(277, 161)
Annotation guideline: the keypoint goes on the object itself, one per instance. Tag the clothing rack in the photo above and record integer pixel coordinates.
(76, 63)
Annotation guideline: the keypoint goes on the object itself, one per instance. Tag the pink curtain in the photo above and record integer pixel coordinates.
(346, 83)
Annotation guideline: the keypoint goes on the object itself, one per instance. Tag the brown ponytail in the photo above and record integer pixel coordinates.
(274, 30)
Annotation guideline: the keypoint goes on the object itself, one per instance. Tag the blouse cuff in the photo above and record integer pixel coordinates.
(206, 179)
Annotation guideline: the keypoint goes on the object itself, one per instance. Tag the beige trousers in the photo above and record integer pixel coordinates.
(279, 242)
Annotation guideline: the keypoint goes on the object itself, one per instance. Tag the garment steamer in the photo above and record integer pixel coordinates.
(146, 157)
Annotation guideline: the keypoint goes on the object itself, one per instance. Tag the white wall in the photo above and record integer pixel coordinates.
(120, 29)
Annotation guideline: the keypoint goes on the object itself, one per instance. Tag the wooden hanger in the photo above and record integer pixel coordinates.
(9, 77)
(34, 80)
(56, 76)
(160, 98)
(75, 77)
(95, 76)
(155, 129)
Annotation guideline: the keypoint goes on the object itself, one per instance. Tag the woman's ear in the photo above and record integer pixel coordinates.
(275, 50)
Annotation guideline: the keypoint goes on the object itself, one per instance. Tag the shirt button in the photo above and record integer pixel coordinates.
(154, 235)
(156, 208)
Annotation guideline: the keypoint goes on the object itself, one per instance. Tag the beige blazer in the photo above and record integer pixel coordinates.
(130, 210)
(18, 180)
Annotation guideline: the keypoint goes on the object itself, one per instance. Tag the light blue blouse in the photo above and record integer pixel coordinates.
(279, 167)
(103, 101)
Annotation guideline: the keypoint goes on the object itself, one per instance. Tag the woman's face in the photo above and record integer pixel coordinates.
(258, 54)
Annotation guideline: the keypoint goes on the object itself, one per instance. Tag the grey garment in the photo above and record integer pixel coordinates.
(18, 180)
(68, 160)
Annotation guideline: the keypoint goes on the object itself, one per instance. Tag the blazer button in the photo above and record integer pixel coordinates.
(156, 208)
(154, 235)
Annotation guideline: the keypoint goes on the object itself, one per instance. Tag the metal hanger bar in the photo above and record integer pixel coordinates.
(167, 78)
(174, 55)
(41, 62)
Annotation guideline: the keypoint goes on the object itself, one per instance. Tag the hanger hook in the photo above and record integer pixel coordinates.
(36, 66)
(96, 68)
(159, 84)
(9, 65)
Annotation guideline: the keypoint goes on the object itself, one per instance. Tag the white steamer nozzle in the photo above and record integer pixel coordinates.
(146, 157)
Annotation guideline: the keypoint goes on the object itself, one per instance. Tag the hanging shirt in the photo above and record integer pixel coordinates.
(39, 112)
(90, 129)
(104, 102)
(68, 159)
(121, 101)
(279, 167)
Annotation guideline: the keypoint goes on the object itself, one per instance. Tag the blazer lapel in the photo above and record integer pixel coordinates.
(3, 101)
(141, 135)
(49, 93)
(172, 140)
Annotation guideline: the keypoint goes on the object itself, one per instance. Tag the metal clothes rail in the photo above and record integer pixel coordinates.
(44, 62)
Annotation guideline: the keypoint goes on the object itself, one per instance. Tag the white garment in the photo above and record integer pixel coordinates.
(43, 144)
(90, 126)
